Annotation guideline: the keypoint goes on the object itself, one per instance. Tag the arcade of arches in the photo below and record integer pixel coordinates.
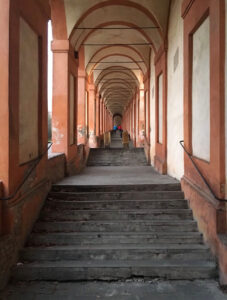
(157, 68)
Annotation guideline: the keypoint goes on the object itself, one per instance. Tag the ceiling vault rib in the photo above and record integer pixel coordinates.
(115, 62)
(122, 31)
(123, 44)
(134, 69)
(122, 79)
(118, 28)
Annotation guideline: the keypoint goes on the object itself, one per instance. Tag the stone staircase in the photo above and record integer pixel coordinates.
(116, 140)
(117, 157)
(115, 232)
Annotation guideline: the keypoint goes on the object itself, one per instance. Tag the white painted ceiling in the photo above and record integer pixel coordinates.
(117, 58)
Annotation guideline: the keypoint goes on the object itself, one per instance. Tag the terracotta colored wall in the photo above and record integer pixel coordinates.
(209, 213)
(214, 170)
(72, 151)
(160, 160)
(4, 93)
(1, 204)
(147, 116)
(81, 81)
(65, 65)
(34, 16)
(20, 212)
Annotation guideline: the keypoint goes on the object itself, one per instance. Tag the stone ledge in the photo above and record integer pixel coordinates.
(52, 155)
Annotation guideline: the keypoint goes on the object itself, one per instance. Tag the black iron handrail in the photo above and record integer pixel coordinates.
(37, 160)
(201, 175)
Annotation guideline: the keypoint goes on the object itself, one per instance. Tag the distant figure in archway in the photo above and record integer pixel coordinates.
(120, 129)
(115, 129)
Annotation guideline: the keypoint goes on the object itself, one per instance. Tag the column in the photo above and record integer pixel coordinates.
(92, 114)
(81, 126)
(101, 117)
(134, 125)
(97, 115)
(104, 118)
(60, 124)
(141, 118)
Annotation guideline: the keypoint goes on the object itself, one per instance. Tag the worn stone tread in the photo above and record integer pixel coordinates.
(125, 263)
(134, 211)
(132, 225)
(66, 214)
(135, 289)
(116, 252)
(157, 233)
(90, 238)
(117, 204)
(126, 187)
(139, 222)
(140, 195)
(127, 247)
(107, 270)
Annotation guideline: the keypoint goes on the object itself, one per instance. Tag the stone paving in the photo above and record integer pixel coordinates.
(130, 290)
(118, 175)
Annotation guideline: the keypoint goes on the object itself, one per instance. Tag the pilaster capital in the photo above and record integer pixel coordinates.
(97, 96)
(91, 87)
(81, 74)
(60, 46)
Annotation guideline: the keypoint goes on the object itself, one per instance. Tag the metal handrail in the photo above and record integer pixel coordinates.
(37, 160)
(201, 175)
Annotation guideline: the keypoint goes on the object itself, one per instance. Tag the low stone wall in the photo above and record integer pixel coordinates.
(147, 151)
(82, 156)
(56, 167)
(18, 215)
(8, 246)
(210, 217)
(8, 257)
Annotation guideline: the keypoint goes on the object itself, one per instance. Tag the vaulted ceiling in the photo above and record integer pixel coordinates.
(118, 37)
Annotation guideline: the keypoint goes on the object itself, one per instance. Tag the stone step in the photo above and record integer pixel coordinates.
(131, 195)
(116, 238)
(114, 188)
(117, 157)
(113, 158)
(114, 164)
(121, 155)
(116, 252)
(132, 158)
(124, 158)
(102, 151)
(117, 152)
(114, 270)
(82, 215)
(153, 226)
(117, 204)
